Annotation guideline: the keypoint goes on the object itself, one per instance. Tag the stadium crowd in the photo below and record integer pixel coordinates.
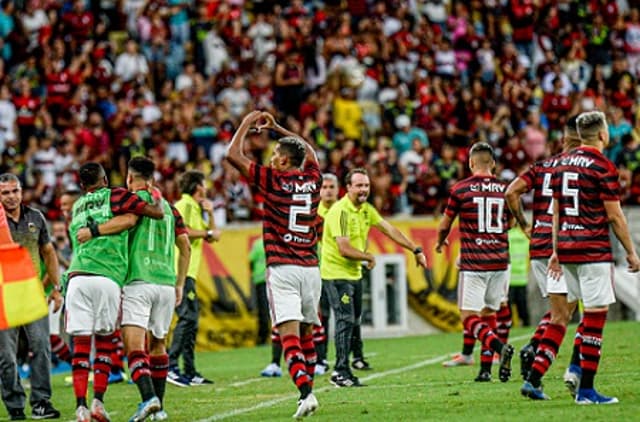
(401, 87)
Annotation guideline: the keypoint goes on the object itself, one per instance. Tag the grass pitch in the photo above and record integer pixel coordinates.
(408, 383)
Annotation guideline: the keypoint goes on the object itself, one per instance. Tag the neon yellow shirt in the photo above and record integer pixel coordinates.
(345, 220)
(519, 254)
(191, 213)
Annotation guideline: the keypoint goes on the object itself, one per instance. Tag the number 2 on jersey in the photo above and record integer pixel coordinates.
(486, 207)
(294, 210)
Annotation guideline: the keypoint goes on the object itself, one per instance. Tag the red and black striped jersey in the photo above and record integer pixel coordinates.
(484, 222)
(289, 223)
(123, 202)
(538, 179)
(582, 181)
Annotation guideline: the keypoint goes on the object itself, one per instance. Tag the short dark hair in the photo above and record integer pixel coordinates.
(190, 180)
(90, 174)
(572, 123)
(9, 177)
(294, 149)
(357, 170)
(142, 167)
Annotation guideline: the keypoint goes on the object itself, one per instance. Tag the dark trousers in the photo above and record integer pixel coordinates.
(13, 394)
(345, 298)
(264, 320)
(518, 297)
(325, 311)
(184, 335)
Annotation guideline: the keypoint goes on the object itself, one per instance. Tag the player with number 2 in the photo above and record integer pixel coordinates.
(291, 185)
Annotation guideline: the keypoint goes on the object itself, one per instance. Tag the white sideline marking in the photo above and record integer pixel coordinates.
(260, 379)
(273, 402)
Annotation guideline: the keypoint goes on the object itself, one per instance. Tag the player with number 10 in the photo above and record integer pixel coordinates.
(484, 253)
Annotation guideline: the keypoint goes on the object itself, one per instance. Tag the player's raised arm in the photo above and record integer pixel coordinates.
(235, 153)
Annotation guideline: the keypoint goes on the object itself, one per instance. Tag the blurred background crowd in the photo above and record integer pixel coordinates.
(400, 87)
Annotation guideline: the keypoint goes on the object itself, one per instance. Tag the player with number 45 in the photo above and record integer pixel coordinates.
(484, 252)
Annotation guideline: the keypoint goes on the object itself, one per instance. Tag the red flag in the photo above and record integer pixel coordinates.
(22, 298)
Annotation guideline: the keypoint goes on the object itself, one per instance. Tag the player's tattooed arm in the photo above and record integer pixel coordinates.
(443, 231)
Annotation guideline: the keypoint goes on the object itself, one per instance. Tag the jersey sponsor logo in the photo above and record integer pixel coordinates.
(487, 187)
(480, 241)
(577, 160)
(572, 227)
(92, 203)
(539, 224)
(297, 239)
(304, 187)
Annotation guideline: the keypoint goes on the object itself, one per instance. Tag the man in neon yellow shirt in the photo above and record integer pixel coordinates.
(519, 253)
(192, 205)
(344, 242)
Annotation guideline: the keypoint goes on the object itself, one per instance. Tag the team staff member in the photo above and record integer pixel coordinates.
(344, 241)
(191, 206)
(29, 228)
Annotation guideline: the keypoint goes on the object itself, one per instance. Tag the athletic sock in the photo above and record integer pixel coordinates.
(117, 354)
(276, 346)
(547, 352)
(141, 374)
(542, 326)
(296, 364)
(468, 342)
(486, 353)
(483, 333)
(102, 365)
(504, 322)
(310, 357)
(577, 342)
(60, 348)
(590, 348)
(159, 366)
(80, 367)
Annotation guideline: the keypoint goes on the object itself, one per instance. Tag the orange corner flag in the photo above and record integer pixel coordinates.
(22, 298)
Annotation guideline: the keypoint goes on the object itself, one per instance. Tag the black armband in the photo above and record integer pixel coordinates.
(93, 228)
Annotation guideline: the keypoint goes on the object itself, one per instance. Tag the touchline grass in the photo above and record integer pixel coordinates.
(408, 383)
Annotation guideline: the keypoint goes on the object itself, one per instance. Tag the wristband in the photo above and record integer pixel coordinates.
(93, 228)
(417, 250)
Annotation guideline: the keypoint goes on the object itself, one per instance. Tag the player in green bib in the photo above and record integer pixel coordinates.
(97, 271)
(152, 290)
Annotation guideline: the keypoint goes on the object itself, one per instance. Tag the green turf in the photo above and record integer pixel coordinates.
(408, 383)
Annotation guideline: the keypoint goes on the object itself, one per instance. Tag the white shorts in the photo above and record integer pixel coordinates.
(294, 293)
(93, 305)
(482, 289)
(593, 283)
(54, 320)
(149, 306)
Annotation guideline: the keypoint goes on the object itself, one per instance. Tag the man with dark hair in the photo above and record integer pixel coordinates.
(586, 204)
(484, 254)
(292, 188)
(151, 291)
(344, 242)
(29, 229)
(538, 178)
(192, 205)
(95, 278)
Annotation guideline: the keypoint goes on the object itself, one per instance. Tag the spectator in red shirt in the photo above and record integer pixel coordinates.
(556, 106)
